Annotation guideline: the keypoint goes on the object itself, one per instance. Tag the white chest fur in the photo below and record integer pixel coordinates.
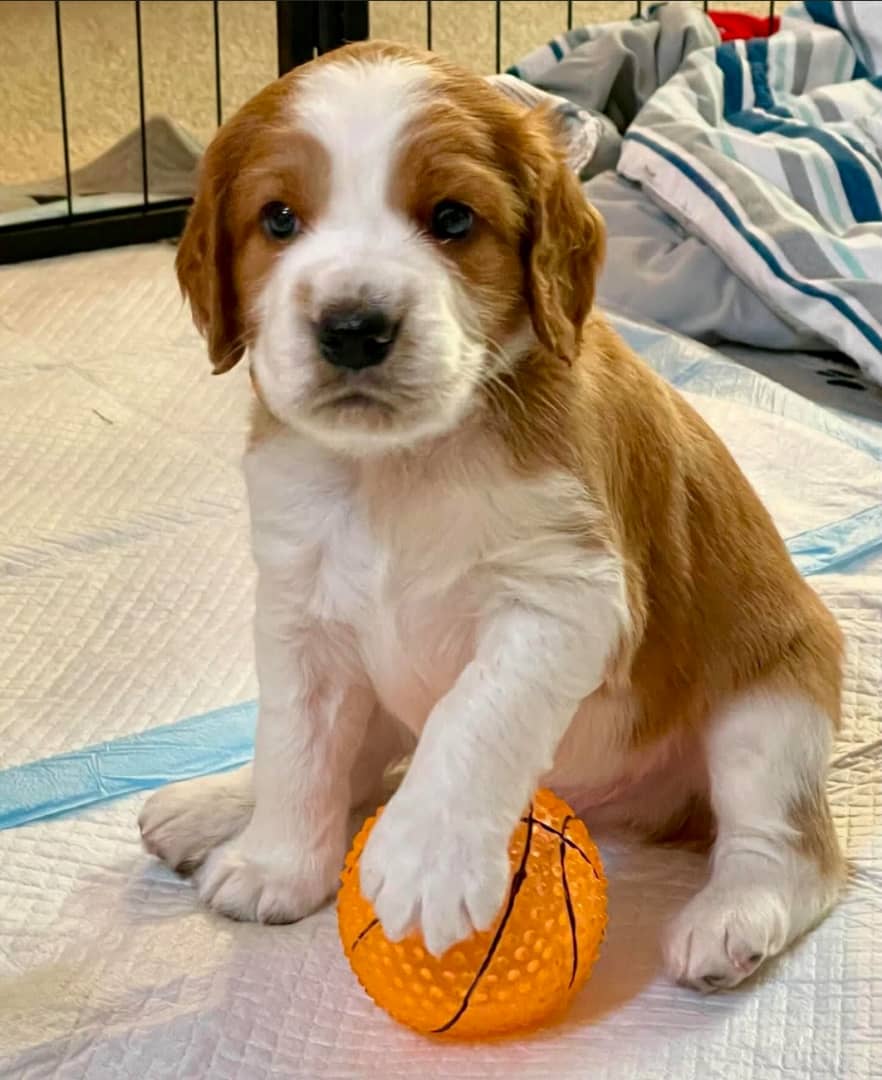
(392, 566)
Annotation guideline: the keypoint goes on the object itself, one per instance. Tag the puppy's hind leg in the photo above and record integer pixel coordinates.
(775, 866)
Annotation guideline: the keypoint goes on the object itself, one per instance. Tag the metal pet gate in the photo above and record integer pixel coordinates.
(304, 29)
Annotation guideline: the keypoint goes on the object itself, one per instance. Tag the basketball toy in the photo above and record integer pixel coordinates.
(522, 971)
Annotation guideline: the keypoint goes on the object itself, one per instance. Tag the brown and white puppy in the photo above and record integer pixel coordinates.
(483, 529)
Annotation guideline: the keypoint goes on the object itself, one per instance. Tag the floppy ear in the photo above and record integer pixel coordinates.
(204, 266)
(564, 241)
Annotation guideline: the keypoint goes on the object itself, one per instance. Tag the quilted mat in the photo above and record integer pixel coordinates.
(125, 659)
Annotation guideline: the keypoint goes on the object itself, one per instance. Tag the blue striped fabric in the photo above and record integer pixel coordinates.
(733, 80)
(754, 239)
(784, 182)
(822, 12)
(855, 171)
(534, 65)
(770, 151)
(848, 20)
(758, 59)
(848, 155)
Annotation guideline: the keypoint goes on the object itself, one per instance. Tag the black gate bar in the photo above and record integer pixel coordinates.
(215, 26)
(142, 117)
(59, 48)
(308, 28)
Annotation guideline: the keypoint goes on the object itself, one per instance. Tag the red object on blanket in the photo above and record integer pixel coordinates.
(736, 24)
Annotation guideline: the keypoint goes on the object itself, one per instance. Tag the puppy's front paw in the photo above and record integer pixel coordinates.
(181, 823)
(442, 875)
(250, 882)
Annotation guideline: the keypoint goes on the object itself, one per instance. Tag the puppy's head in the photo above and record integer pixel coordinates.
(385, 234)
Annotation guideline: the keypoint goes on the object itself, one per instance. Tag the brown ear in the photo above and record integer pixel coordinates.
(204, 266)
(564, 242)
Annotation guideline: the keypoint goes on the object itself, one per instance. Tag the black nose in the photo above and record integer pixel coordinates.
(356, 338)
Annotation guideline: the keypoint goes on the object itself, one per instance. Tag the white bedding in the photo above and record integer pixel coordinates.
(126, 585)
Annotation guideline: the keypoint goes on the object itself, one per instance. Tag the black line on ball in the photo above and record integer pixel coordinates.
(566, 888)
(517, 881)
(570, 843)
(364, 933)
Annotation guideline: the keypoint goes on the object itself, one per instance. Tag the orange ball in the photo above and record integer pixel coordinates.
(525, 969)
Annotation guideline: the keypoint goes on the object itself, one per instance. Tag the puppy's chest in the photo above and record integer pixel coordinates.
(397, 573)
(410, 591)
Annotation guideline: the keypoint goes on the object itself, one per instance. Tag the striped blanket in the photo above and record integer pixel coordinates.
(770, 152)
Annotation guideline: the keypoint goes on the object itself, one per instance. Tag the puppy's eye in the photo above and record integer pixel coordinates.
(279, 221)
(452, 220)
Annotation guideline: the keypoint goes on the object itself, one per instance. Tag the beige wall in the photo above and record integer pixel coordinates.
(100, 69)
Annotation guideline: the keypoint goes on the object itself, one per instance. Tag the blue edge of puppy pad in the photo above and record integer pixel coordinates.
(223, 739)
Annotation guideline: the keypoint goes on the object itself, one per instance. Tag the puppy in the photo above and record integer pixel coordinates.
(485, 532)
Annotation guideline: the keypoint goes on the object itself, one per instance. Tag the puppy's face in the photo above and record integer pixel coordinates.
(385, 235)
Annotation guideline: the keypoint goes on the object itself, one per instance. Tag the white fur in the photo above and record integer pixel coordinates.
(191, 818)
(471, 614)
(447, 594)
(762, 751)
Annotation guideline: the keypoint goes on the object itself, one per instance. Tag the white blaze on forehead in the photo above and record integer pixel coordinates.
(359, 110)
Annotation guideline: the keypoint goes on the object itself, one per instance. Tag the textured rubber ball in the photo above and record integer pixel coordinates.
(518, 974)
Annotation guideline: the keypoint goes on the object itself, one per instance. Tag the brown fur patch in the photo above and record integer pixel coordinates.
(450, 154)
(537, 244)
(297, 177)
(693, 825)
(225, 253)
(715, 599)
(810, 817)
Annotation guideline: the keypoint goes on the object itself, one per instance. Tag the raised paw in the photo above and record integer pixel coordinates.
(439, 874)
(181, 823)
(724, 934)
(247, 881)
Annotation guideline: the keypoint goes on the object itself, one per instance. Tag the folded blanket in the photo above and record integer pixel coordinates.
(761, 160)
(771, 152)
